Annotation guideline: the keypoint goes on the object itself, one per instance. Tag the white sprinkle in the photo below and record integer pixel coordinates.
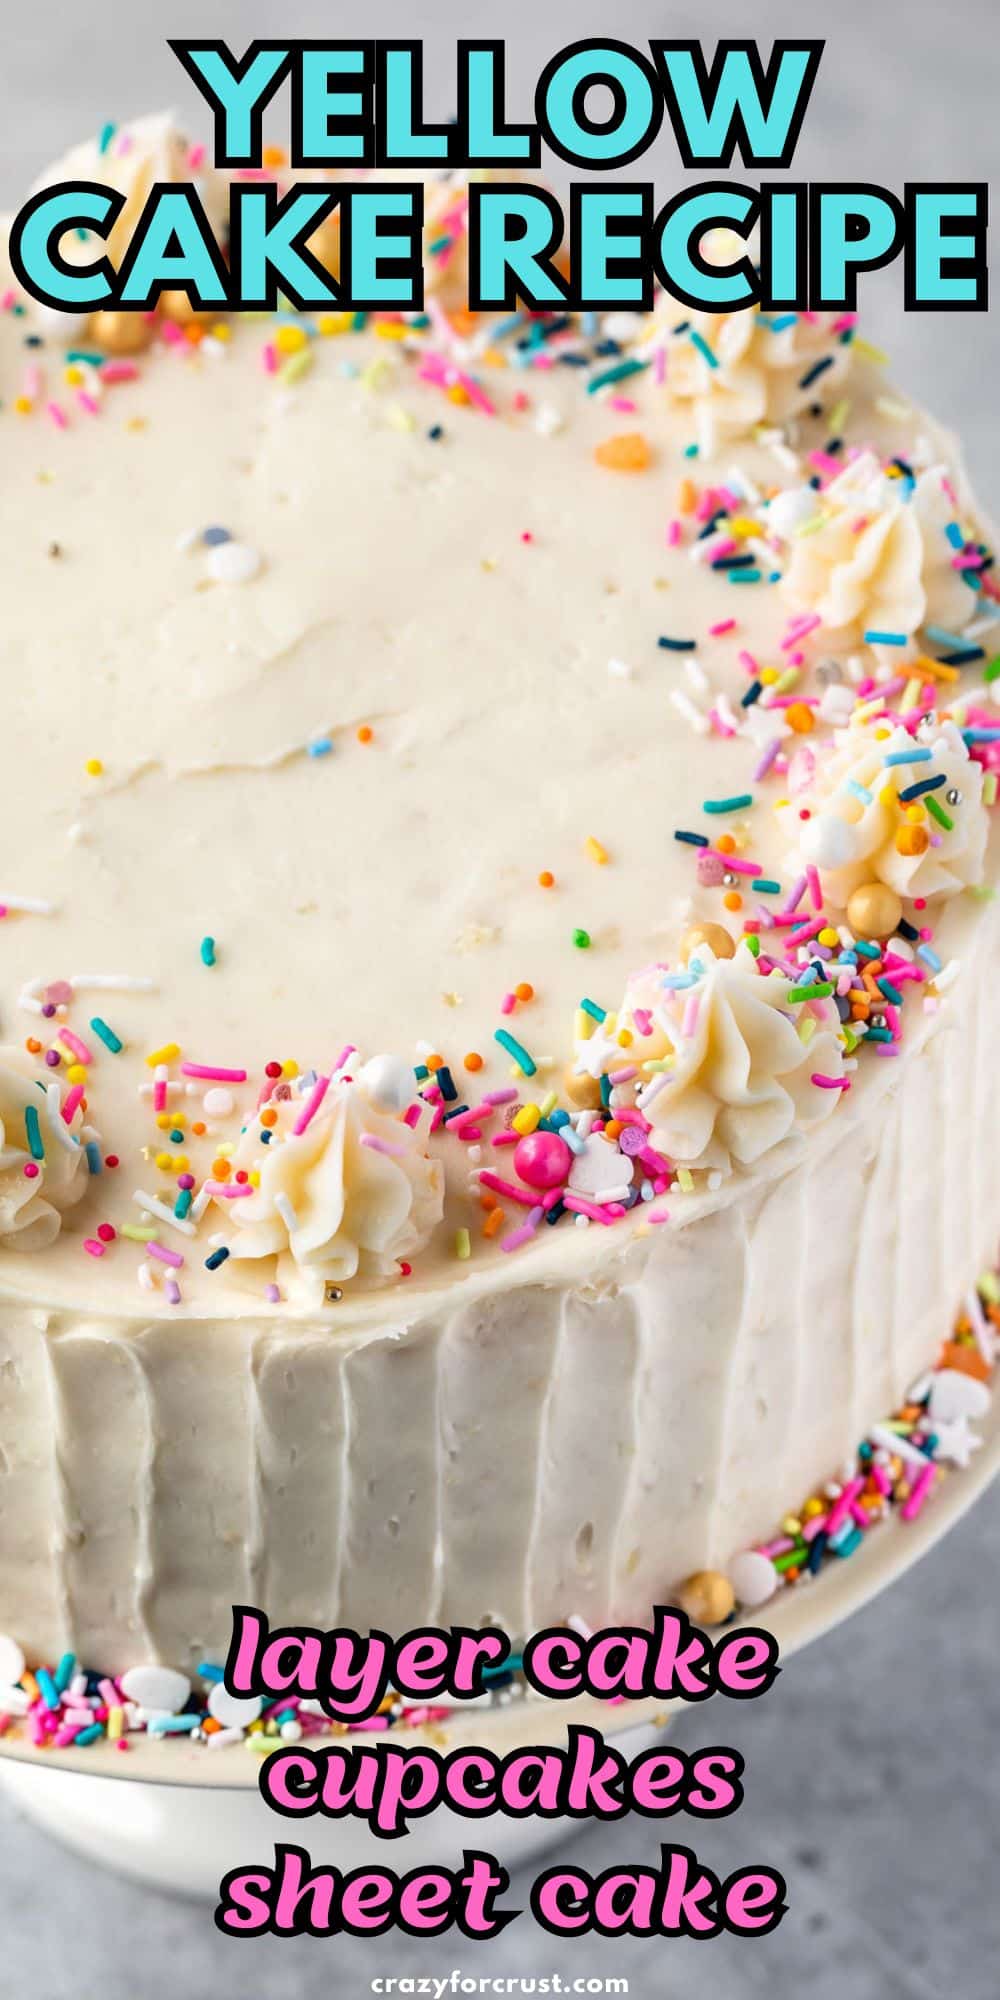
(691, 714)
(163, 1213)
(286, 1212)
(110, 982)
(620, 670)
(232, 562)
(30, 906)
(548, 420)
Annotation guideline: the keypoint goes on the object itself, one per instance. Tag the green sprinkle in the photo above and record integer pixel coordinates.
(819, 990)
(992, 672)
(752, 941)
(735, 804)
(463, 1243)
(107, 1035)
(208, 951)
(513, 1048)
(938, 812)
(33, 1130)
(581, 939)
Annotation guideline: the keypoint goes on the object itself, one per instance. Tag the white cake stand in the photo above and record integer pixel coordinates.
(178, 1816)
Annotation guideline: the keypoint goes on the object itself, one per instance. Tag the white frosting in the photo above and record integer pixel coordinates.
(852, 795)
(352, 1193)
(758, 374)
(32, 1205)
(740, 1076)
(133, 160)
(869, 553)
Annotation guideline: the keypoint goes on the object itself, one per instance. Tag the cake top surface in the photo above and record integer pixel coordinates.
(373, 691)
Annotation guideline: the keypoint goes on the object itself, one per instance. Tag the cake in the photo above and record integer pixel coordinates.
(497, 961)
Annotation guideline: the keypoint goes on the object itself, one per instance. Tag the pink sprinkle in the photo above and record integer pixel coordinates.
(73, 1101)
(92, 1247)
(269, 357)
(842, 1506)
(80, 1049)
(732, 862)
(673, 534)
(724, 625)
(196, 157)
(411, 1116)
(160, 1087)
(798, 629)
(311, 1106)
(762, 768)
(921, 1488)
(164, 1256)
(830, 1082)
(815, 888)
(508, 1003)
(377, 1145)
(57, 414)
(88, 402)
(505, 1096)
(230, 1190)
(611, 1212)
(212, 1073)
(506, 1188)
(118, 371)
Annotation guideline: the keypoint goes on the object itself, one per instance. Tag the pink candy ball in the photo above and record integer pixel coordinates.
(542, 1159)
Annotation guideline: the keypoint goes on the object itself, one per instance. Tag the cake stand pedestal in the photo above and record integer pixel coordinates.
(178, 1816)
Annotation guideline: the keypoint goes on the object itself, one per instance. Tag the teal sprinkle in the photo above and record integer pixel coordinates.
(33, 1130)
(698, 340)
(182, 1204)
(107, 134)
(208, 951)
(616, 374)
(735, 804)
(89, 358)
(868, 950)
(513, 1048)
(107, 1035)
(891, 992)
(764, 887)
(879, 1035)
(596, 1013)
(91, 1734)
(65, 1671)
(690, 451)
(93, 1153)
(745, 575)
(875, 638)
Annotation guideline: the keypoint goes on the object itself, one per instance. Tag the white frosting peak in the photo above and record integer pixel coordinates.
(861, 827)
(870, 553)
(755, 374)
(32, 1203)
(346, 1192)
(740, 1075)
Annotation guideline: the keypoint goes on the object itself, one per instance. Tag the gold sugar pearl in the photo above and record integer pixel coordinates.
(874, 910)
(707, 1597)
(583, 1091)
(120, 332)
(714, 935)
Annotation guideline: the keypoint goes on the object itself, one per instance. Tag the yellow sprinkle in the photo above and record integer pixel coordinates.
(527, 1119)
(456, 394)
(165, 1162)
(73, 376)
(743, 528)
(463, 1244)
(584, 1025)
(331, 323)
(93, 767)
(595, 851)
(807, 1028)
(990, 788)
(168, 1054)
(290, 339)
(220, 331)
(376, 373)
(548, 1103)
(23, 405)
(870, 353)
(297, 365)
(116, 1724)
(391, 329)
(768, 676)
(399, 419)
(254, 1177)
(685, 1179)
(787, 680)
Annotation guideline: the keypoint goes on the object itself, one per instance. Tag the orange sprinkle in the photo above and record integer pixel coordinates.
(488, 1199)
(524, 991)
(198, 1128)
(726, 844)
(33, 1047)
(473, 1060)
(686, 497)
(799, 716)
(494, 1222)
(733, 900)
(274, 156)
(546, 879)
(268, 1117)
(434, 1062)
(967, 1359)
(220, 1170)
(365, 734)
(627, 452)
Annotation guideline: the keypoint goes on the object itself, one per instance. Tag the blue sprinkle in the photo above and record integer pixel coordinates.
(320, 746)
(214, 537)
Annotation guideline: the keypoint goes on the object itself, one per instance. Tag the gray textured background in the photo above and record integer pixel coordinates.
(871, 1781)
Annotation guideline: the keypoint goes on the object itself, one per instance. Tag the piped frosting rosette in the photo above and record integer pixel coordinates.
(43, 1167)
(885, 806)
(870, 553)
(729, 1059)
(338, 1190)
(737, 371)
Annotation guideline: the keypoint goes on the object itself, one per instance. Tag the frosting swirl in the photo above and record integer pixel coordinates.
(32, 1203)
(746, 369)
(862, 828)
(740, 1071)
(870, 552)
(345, 1192)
